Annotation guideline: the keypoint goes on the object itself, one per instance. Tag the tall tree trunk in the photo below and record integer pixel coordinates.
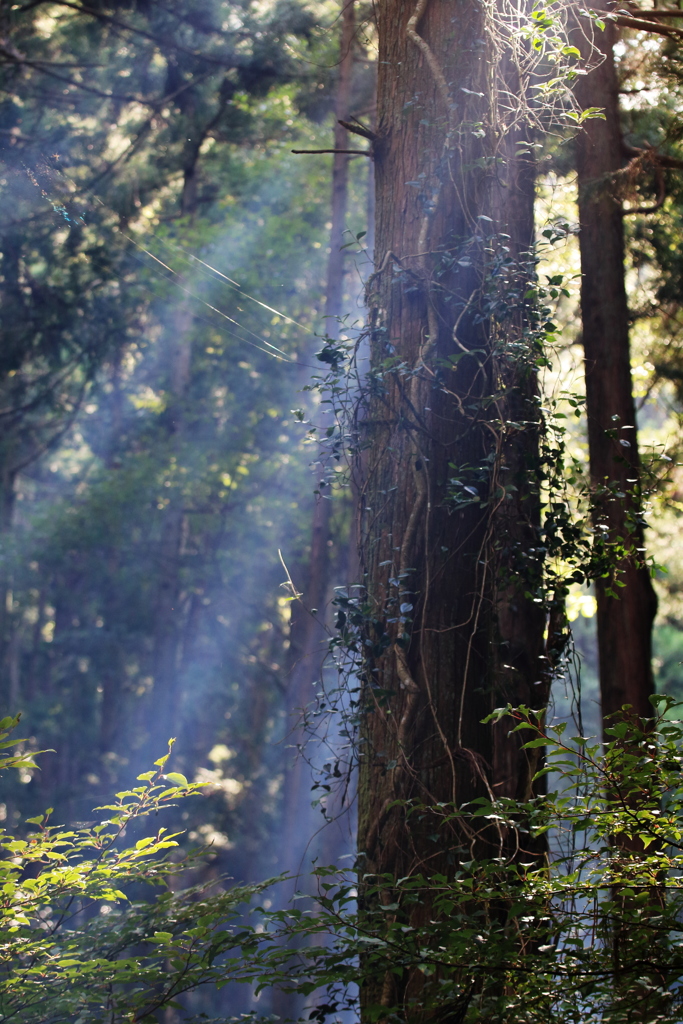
(626, 599)
(307, 632)
(111, 669)
(450, 502)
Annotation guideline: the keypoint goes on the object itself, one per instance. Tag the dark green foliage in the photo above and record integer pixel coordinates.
(86, 556)
(151, 461)
(103, 111)
(99, 174)
(509, 939)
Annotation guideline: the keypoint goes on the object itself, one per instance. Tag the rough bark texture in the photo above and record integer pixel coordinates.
(450, 501)
(625, 621)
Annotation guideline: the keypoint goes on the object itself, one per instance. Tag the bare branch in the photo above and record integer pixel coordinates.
(648, 26)
(359, 129)
(352, 152)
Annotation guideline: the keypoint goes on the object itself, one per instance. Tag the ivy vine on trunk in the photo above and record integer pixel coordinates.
(451, 525)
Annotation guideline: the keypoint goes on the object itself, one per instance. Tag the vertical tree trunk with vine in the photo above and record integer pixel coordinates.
(450, 519)
(626, 600)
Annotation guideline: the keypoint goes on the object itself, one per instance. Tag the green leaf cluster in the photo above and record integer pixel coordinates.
(94, 927)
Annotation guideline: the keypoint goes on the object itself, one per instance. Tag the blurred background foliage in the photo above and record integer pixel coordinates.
(150, 463)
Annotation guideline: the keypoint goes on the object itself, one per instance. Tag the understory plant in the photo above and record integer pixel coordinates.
(94, 927)
(593, 933)
(97, 926)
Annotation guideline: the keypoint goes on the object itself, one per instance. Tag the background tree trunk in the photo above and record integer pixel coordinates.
(334, 291)
(307, 629)
(307, 632)
(168, 618)
(626, 599)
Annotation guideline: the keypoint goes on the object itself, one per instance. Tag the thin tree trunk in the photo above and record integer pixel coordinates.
(626, 599)
(8, 640)
(307, 632)
(111, 665)
(369, 240)
(167, 618)
(334, 291)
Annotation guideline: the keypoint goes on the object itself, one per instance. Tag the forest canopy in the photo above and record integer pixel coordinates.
(340, 434)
